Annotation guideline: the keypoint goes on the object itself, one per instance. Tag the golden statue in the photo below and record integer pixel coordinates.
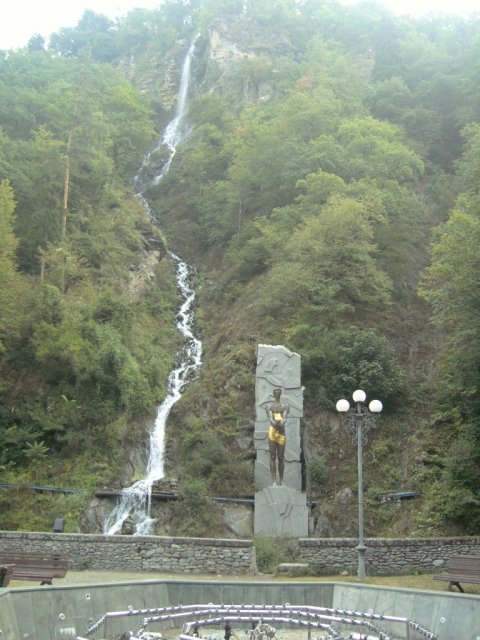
(277, 415)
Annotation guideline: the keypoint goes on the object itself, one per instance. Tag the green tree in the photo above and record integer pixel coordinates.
(144, 30)
(11, 284)
(329, 270)
(353, 358)
(40, 193)
(93, 34)
(468, 166)
(450, 285)
(376, 149)
(267, 163)
(131, 126)
(35, 453)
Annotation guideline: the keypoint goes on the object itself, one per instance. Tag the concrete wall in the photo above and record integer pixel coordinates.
(8, 617)
(140, 553)
(53, 613)
(384, 556)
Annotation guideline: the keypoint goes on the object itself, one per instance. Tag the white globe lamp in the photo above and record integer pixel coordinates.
(343, 405)
(375, 406)
(359, 396)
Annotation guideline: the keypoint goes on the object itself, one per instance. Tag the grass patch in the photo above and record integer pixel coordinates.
(423, 582)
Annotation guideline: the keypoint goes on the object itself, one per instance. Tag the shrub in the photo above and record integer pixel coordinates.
(317, 471)
(270, 552)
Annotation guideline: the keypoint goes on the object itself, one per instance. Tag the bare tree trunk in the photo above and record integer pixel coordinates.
(240, 217)
(42, 268)
(66, 186)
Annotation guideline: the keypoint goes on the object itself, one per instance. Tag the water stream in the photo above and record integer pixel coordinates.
(135, 500)
(173, 134)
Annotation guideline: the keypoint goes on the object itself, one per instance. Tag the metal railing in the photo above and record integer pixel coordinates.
(333, 623)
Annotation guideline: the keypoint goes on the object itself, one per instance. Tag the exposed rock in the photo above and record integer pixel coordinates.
(143, 275)
(135, 464)
(239, 520)
(167, 95)
(94, 515)
(223, 51)
(344, 496)
(293, 568)
(294, 548)
(128, 527)
(323, 527)
(166, 486)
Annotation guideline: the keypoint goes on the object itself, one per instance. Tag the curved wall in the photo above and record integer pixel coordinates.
(51, 613)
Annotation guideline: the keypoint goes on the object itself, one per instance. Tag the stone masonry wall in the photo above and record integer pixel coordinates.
(384, 556)
(329, 556)
(140, 553)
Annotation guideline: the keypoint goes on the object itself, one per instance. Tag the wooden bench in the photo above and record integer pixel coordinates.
(34, 565)
(6, 571)
(461, 568)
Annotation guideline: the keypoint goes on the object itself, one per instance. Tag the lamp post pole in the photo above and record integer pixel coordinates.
(361, 548)
(358, 420)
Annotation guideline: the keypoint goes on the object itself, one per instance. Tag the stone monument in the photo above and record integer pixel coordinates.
(280, 509)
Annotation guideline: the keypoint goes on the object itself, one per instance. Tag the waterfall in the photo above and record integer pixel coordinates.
(135, 500)
(173, 133)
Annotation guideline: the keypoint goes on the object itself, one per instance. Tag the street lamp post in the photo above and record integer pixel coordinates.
(358, 421)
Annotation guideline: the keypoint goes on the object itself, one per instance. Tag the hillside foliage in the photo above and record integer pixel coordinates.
(328, 193)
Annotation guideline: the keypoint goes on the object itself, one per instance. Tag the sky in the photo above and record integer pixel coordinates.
(20, 19)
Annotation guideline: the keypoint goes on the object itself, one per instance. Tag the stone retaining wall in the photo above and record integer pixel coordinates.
(140, 553)
(331, 556)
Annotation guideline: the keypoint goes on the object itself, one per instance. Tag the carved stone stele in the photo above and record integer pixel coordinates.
(279, 510)
(277, 367)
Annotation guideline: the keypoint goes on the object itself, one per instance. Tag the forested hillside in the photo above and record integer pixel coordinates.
(327, 193)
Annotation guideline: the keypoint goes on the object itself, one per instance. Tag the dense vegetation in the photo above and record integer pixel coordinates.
(328, 191)
(84, 353)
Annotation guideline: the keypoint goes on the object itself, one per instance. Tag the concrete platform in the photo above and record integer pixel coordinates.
(293, 568)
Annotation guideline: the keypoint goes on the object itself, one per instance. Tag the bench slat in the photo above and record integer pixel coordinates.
(35, 566)
(6, 572)
(458, 578)
(461, 568)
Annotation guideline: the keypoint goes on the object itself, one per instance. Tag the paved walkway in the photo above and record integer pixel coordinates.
(95, 577)
(91, 577)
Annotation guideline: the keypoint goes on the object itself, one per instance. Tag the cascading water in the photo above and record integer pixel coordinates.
(135, 501)
(173, 133)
